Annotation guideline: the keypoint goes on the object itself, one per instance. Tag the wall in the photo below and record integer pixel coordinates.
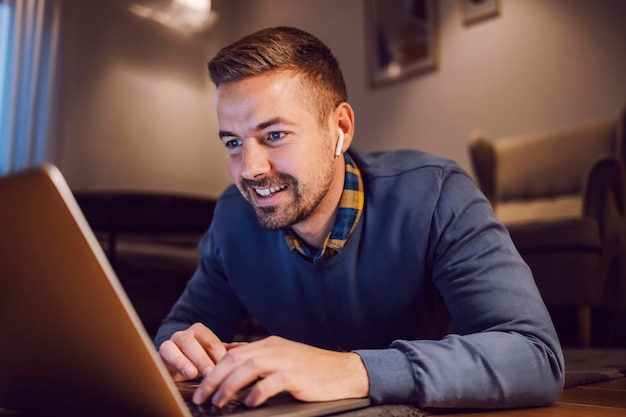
(540, 65)
(138, 111)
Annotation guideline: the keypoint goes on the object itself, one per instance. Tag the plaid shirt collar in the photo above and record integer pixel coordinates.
(348, 214)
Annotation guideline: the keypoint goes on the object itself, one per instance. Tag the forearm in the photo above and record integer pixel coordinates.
(507, 353)
(484, 370)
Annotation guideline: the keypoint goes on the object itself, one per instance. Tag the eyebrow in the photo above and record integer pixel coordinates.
(261, 126)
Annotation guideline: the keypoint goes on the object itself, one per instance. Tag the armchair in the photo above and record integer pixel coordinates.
(561, 195)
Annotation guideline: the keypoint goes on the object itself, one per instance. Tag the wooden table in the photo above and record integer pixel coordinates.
(602, 399)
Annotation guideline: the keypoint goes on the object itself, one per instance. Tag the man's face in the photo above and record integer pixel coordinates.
(278, 155)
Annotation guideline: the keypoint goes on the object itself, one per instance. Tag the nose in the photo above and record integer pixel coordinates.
(255, 160)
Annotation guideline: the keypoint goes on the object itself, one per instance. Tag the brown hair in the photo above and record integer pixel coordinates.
(284, 48)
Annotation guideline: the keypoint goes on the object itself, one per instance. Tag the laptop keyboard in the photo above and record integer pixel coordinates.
(236, 405)
(208, 409)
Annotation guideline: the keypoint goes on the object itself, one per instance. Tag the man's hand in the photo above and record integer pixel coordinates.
(277, 365)
(191, 353)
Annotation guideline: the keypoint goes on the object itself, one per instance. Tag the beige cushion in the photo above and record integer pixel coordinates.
(540, 210)
(551, 174)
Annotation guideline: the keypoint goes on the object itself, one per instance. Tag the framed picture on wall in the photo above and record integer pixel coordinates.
(401, 39)
(473, 11)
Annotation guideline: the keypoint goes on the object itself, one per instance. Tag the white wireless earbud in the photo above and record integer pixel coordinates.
(339, 143)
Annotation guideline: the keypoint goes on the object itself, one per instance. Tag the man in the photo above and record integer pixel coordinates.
(380, 275)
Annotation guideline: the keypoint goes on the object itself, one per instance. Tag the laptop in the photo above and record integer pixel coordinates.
(71, 342)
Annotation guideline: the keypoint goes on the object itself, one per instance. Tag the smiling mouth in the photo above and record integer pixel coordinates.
(268, 192)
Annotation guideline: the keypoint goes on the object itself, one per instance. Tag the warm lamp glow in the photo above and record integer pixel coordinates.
(198, 5)
(192, 16)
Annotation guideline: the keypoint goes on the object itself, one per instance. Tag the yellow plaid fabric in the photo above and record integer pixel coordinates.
(348, 215)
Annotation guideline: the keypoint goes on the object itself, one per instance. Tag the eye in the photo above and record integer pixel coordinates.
(275, 135)
(232, 143)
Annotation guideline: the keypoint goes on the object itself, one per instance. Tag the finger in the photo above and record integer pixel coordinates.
(194, 352)
(241, 378)
(266, 388)
(250, 365)
(224, 368)
(232, 345)
(178, 364)
(210, 343)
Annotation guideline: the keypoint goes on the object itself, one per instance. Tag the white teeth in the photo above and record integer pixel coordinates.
(266, 192)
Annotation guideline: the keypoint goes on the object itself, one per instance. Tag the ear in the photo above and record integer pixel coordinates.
(343, 121)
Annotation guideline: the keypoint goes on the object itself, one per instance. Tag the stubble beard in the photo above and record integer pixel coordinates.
(305, 198)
